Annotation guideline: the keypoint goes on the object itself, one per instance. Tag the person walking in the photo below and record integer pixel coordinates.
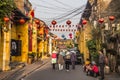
(67, 60)
(60, 61)
(54, 58)
(73, 59)
(101, 64)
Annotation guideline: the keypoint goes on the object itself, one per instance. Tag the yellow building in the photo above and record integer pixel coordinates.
(84, 35)
(14, 37)
(42, 41)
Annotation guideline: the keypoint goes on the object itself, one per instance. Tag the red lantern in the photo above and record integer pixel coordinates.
(37, 21)
(101, 20)
(84, 22)
(111, 18)
(22, 21)
(53, 22)
(70, 34)
(71, 37)
(68, 22)
(6, 19)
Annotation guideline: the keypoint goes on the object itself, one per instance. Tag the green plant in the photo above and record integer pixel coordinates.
(6, 8)
(91, 44)
(31, 54)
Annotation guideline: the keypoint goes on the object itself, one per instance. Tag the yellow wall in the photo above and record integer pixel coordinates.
(1, 49)
(21, 30)
(84, 36)
(34, 39)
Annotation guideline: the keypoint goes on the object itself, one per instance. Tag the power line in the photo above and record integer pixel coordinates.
(77, 9)
(67, 13)
(52, 8)
(54, 5)
(63, 3)
(71, 16)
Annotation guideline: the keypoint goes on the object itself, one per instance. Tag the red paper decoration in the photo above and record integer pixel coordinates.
(101, 20)
(111, 18)
(70, 34)
(84, 22)
(37, 21)
(71, 37)
(22, 21)
(6, 19)
(68, 22)
(54, 22)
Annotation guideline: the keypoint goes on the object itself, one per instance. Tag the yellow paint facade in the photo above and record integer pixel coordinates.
(84, 35)
(20, 32)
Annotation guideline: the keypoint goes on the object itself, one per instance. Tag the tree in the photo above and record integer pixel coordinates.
(91, 44)
(6, 8)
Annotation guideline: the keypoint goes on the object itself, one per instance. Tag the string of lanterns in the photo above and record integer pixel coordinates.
(63, 30)
(7, 19)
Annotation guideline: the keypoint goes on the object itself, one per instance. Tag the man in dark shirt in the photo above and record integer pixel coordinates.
(101, 63)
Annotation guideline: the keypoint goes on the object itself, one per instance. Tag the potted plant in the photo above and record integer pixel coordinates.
(31, 57)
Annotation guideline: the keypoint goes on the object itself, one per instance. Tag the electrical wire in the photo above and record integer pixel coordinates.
(66, 14)
(54, 7)
(62, 16)
(63, 4)
(71, 16)
(71, 12)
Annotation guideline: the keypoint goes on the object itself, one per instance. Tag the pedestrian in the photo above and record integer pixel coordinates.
(67, 61)
(101, 63)
(95, 69)
(73, 59)
(60, 61)
(87, 63)
(54, 58)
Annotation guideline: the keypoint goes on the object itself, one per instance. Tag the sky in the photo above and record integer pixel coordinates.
(60, 11)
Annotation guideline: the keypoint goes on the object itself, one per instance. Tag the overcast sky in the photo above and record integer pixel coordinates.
(59, 10)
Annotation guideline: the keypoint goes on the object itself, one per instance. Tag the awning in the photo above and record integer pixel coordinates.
(17, 15)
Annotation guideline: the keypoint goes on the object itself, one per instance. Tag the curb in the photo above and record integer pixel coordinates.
(16, 70)
(21, 78)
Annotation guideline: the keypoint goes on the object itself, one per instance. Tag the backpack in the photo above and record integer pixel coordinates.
(67, 56)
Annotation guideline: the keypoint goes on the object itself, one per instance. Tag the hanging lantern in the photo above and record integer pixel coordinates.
(59, 25)
(63, 26)
(37, 21)
(63, 36)
(68, 22)
(84, 22)
(111, 18)
(70, 37)
(6, 19)
(56, 26)
(53, 22)
(70, 34)
(22, 21)
(101, 20)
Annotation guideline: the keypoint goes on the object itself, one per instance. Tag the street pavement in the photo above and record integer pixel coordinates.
(29, 71)
(19, 72)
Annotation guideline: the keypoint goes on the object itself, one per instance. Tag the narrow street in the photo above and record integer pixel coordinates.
(46, 73)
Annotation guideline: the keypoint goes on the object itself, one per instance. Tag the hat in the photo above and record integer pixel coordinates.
(73, 52)
(93, 62)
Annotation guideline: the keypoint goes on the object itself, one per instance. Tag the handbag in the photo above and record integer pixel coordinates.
(54, 60)
(106, 69)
